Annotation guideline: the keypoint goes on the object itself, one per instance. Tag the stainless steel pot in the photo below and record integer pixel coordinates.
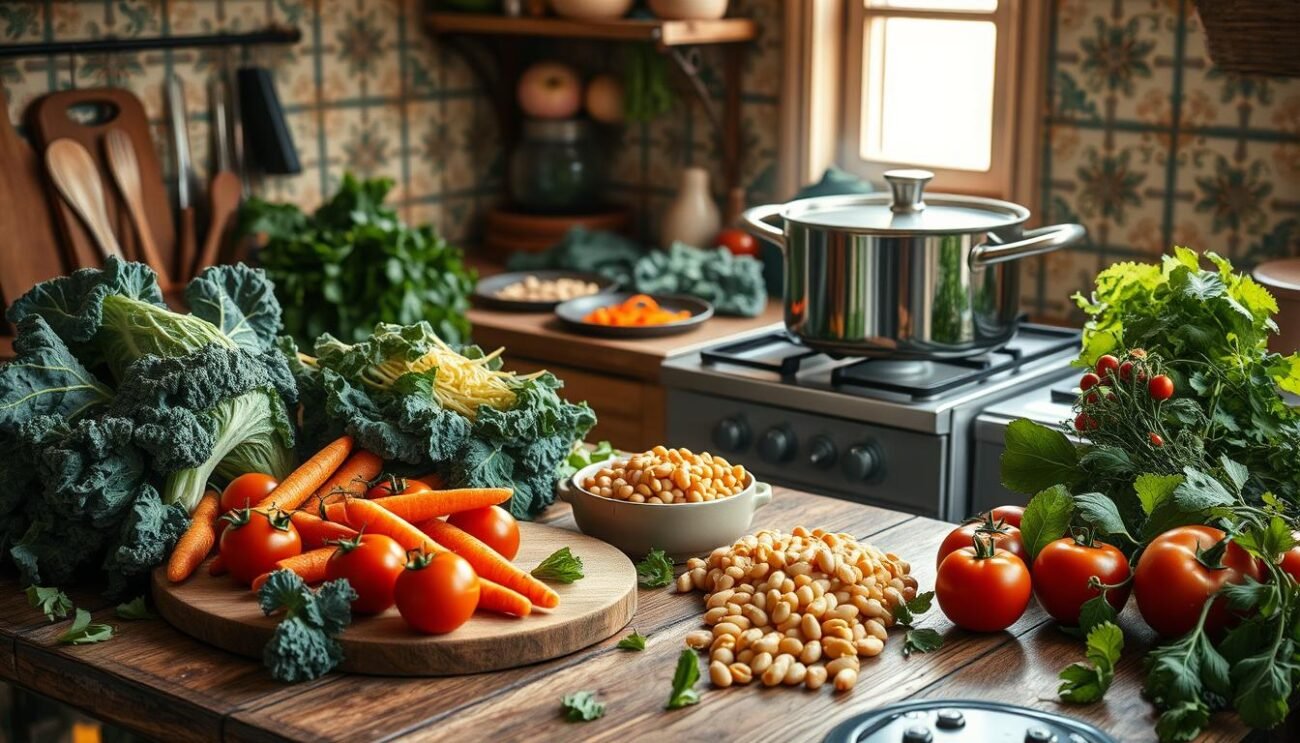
(904, 274)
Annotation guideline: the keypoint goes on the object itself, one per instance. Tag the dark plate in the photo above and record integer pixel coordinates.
(572, 312)
(485, 292)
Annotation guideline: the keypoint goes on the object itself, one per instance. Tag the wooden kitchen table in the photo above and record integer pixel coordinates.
(153, 679)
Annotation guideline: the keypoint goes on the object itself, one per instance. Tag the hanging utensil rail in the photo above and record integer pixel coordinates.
(269, 35)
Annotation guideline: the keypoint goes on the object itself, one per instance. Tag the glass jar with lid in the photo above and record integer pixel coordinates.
(556, 167)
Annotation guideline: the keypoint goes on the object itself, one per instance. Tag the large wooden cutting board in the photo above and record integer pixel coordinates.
(29, 249)
(219, 612)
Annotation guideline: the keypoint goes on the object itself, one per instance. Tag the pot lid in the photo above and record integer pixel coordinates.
(906, 209)
(1281, 276)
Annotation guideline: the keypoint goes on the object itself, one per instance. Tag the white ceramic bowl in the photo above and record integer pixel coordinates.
(592, 10)
(679, 529)
(689, 10)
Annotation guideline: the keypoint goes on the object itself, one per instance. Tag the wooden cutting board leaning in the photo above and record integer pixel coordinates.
(29, 246)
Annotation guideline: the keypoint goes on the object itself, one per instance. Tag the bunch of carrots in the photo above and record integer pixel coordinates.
(325, 500)
(639, 309)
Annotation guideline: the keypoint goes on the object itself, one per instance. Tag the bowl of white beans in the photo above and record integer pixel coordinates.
(670, 499)
(538, 291)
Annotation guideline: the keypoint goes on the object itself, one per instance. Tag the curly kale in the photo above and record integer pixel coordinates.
(304, 645)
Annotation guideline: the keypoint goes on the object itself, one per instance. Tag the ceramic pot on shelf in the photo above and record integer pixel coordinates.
(591, 10)
(689, 10)
(693, 217)
(1282, 278)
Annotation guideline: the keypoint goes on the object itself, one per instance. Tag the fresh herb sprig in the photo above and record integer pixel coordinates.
(655, 571)
(561, 567)
(685, 677)
(582, 706)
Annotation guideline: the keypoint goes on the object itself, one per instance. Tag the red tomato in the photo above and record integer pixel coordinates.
(1160, 387)
(1005, 536)
(255, 541)
(1085, 422)
(1156, 439)
(1126, 371)
(371, 564)
(246, 490)
(984, 590)
(738, 242)
(1088, 381)
(1291, 562)
(1172, 585)
(437, 593)
(494, 526)
(1061, 572)
(392, 485)
(1106, 366)
(1009, 514)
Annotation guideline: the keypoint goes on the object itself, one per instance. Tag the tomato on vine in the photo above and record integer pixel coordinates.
(1156, 439)
(435, 594)
(1107, 366)
(1088, 381)
(1180, 570)
(255, 541)
(1085, 422)
(1000, 532)
(1160, 387)
(371, 564)
(1072, 570)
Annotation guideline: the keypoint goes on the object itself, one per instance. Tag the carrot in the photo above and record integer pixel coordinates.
(309, 565)
(353, 478)
(302, 482)
(315, 531)
(489, 565)
(497, 598)
(197, 541)
(217, 566)
(418, 507)
(372, 518)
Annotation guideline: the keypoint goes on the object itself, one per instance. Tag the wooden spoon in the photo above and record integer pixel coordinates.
(125, 167)
(73, 171)
(224, 193)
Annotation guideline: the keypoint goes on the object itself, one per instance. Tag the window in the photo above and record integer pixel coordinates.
(932, 84)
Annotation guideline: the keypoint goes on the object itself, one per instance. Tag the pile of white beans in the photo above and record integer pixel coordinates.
(663, 475)
(533, 289)
(798, 608)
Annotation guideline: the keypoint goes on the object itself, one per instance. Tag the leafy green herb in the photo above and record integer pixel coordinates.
(1094, 612)
(684, 679)
(655, 571)
(1082, 683)
(304, 644)
(52, 602)
(1154, 491)
(905, 614)
(923, 640)
(561, 567)
(1100, 512)
(85, 632)
(134, 609)
(1046, 518)
(634, 641)
(1037, 458)
(582, 706)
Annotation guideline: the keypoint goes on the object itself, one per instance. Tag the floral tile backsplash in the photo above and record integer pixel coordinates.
(366, 90)
(1149, 145)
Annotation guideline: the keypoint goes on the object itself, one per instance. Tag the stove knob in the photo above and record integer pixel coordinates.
(861, 462)
(731, 434)
(777, 445)
(823, 452)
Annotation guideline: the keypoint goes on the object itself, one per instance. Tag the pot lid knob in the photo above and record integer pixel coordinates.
(908, 187)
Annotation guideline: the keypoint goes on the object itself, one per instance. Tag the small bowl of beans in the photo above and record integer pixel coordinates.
(538, 291)
(671, 499)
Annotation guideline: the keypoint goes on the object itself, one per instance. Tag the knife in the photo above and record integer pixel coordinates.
(174, 94)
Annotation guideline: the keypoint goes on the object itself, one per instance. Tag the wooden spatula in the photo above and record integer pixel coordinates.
(73, 171)
(223, 193)
(125, 168)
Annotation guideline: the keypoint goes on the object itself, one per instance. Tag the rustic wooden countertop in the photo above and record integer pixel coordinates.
(153, 679)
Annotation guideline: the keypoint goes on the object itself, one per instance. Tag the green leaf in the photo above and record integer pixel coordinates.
(684, 679)
(1082, 683)
(634, 641)
(1262, 685)
(655, 571)
(85, 632)
(134, 609)
(1046, 518)
(52, 602)
(1269, 541)
(905, 614)
(1037, 457)
(582, 706)
(561, 567)
(1100, 512)
(923, 640)
(1094, 612)
(1154, 490)
(1183, 722)
(1237, 473)
(1198, 492)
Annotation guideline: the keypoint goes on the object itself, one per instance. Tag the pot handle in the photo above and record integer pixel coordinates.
(754, 224)
(1033, 242)
(762, 495)
(564, 490)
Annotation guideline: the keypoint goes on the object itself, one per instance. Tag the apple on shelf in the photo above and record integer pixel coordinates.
(604, 99)
(550, 90)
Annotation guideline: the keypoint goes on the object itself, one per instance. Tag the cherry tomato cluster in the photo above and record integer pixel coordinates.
(434, 593)
(984, 581)
(1101, 387)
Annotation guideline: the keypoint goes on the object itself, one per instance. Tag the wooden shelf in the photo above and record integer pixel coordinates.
(663, 33)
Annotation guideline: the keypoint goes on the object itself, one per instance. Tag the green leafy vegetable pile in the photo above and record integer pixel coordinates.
(304, 645)
(354, 263)
(406, 396)
(1220, 450)
(117, 411)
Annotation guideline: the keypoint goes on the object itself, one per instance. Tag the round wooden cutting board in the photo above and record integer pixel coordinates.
(222, 613)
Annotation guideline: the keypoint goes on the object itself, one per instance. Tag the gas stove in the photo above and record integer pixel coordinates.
(889, 432)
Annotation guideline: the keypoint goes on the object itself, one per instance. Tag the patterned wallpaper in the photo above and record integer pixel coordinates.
(366, 90)
(1150, 145)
